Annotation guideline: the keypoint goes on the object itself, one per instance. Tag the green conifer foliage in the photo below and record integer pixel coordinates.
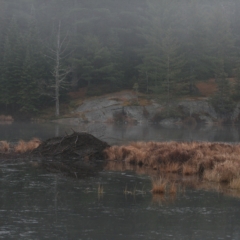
(222, 100)
(12, 66)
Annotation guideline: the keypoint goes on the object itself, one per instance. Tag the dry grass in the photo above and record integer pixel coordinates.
(211, 176)
(189, 170)
(207, 88)
(100, 189)
(80, 93)
(173, 189)
(140, 101)
(217, 162)
(223, 172)
(159, 199)
(171, 168)
(235, 183)
(6, 118)
(23, 146)
(4, 147)
(159, 186)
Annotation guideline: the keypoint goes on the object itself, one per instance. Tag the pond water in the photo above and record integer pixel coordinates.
(119, 134)
(35, 204)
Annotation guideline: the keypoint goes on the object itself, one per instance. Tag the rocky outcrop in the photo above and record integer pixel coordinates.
(124, 107)
(200, 107)
(115, 109)
(236, 113)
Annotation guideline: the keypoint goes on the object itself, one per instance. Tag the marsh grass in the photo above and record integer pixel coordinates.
(126, 191)
(6, 118)
(235, 183)
(135, 191)
(189, 170)
(216, 162)
(159, 199)
(167, 194)
(4, 146)
(100, 189)
(171, 167)
(173, 189)
(23, 146)
(159, 186)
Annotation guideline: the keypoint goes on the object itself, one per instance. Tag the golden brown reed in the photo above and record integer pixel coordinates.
(23, 146)
(171, 167)
(235, 183)
(4, 118)
(159, 199)
(223, 172)
(173, 188)
(217, 162)
(159, 186)
(4, 146)
(189, 169)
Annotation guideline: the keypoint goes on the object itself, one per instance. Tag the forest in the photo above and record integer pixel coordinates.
(49, 48)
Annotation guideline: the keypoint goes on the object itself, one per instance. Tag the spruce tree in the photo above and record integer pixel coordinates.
(12, 66)
(222, 100)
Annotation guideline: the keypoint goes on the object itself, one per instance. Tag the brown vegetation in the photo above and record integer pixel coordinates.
(235, 183)
(189, 170)
(159, 186)
(23, 146)
(217, 162)
(173, 189)
(6, 119)
(207, 88)
(4, 147)
(80, 93)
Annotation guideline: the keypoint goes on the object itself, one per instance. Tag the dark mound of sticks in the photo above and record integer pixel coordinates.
(77, 145)
(78, 154)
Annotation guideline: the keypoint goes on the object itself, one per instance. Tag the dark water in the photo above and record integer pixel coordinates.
(122, 133)
(37, 205)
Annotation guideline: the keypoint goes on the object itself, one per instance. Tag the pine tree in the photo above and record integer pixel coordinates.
(171, 65)
(12, 66)
(222, 100)
(28, 93)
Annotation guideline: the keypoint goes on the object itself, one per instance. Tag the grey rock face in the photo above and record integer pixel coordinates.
(168, 122)
(103, 109)
(198, 107)
(96, 104)
(236, 112)
(113, 108)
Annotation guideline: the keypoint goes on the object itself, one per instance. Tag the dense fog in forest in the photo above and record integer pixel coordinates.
(51, 47)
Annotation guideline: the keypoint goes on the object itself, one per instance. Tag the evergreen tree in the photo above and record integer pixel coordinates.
(171, 65)
(222, 100)
(12, 66)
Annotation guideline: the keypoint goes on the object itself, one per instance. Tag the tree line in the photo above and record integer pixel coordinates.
(50, 47)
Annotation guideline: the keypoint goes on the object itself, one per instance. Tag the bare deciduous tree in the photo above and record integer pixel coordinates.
(57, 54)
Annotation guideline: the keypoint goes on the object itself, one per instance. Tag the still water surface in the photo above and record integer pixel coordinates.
(37, 205)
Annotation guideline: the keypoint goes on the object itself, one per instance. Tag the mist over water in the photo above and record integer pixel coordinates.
(119, 134)
(159, 48)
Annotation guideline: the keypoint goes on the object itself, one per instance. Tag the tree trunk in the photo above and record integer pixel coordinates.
(168, 84)
(57, 77)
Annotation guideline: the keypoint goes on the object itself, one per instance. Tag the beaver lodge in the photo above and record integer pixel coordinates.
(82, 154)
(77, 155)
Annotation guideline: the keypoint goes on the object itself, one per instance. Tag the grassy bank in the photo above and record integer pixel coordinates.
(20, 147)
(216, 162)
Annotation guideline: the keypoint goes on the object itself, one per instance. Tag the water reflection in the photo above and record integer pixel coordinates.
(36, 205)
(121, 133)
(118, 203)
